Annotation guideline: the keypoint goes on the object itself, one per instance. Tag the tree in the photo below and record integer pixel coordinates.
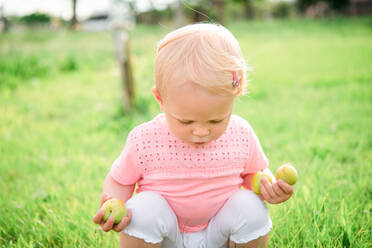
(74, 21)
(248, 8)
(4, 24)
(179, 14)
(36, 18)
(337, 5)
(202, 10)
(220, 6)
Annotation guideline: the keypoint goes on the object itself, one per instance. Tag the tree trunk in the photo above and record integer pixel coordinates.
(74, 21)
(248, 9)
(4, 24)
(220, 10)
(179, 14)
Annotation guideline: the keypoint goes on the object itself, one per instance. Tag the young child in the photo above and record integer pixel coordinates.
(191, 162)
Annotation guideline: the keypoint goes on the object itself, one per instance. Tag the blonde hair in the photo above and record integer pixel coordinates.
(204, 54)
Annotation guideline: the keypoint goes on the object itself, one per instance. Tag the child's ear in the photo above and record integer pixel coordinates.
(157, 96)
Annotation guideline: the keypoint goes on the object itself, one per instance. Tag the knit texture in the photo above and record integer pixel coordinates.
(196, 181)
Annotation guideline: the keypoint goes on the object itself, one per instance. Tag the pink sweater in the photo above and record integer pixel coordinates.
(196, 182)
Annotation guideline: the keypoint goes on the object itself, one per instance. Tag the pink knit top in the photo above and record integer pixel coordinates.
(196, 181)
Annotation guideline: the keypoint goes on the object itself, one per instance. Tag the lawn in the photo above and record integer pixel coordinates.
(62, 125)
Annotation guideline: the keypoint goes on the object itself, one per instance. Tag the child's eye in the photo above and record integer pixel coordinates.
(185, 122)
(215, 121)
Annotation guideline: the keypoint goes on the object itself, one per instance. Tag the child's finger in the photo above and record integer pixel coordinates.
(98, 217)
(288, 189)
(107, 226)
(104, 198)
(123, 223)
(267, 188)
(264, 194)
(277, 190)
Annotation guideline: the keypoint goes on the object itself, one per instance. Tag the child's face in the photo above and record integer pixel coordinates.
(196, 116)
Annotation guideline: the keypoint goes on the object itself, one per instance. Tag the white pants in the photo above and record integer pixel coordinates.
(243, 218)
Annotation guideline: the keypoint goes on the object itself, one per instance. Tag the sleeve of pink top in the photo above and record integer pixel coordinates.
(125, 170)
(257, 159)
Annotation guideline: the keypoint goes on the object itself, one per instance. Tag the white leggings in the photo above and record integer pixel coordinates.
(243, 218)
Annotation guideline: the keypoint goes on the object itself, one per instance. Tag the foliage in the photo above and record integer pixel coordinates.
(337, 5)
(36, 18)
(309, 103)
(260, 9)
(154, 16)
(282, 9)
(200, 10)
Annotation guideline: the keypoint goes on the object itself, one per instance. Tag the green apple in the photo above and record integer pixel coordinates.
(257, 178)
(114, 208)
(287, 173)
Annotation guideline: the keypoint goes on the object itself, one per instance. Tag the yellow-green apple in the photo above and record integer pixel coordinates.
(114, 208)
(257, 178)
(287, 173)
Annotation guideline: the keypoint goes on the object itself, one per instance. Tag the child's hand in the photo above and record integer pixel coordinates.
(109, 224)
(277, 192)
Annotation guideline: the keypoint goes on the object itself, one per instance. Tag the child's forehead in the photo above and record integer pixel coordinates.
(190, 100)
(186, 88)
(183, 80)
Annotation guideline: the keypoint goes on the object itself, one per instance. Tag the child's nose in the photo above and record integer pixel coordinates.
(201, 131)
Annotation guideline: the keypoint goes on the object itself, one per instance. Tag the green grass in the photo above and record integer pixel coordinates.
(61, 127)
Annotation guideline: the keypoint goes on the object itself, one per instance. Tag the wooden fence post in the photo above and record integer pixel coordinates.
(122, 20)
(122, 51)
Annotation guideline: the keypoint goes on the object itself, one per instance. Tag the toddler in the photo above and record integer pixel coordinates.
(193, 164)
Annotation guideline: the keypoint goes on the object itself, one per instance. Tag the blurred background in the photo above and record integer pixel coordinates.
(76, 77)
(120, 17)
(94, 15)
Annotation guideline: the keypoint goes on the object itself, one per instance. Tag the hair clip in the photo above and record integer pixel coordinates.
(236, 80)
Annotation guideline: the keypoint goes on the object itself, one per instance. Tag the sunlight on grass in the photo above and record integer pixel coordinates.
(62, 126)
